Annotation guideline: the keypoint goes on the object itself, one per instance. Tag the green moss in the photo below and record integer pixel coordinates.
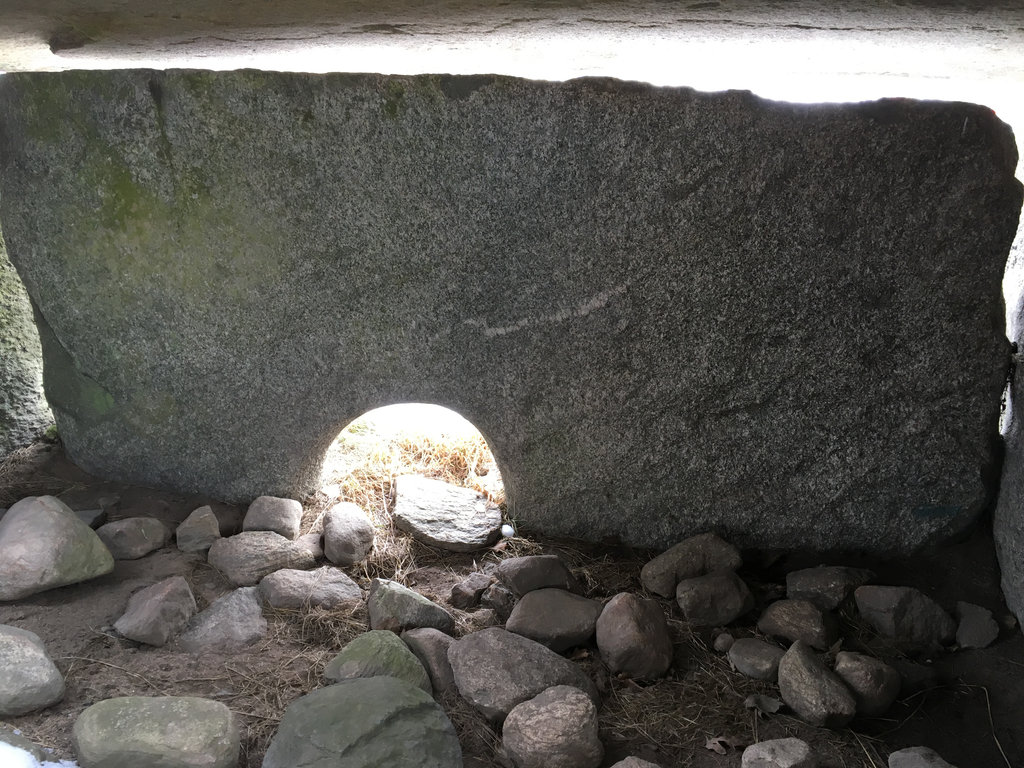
(394, 99)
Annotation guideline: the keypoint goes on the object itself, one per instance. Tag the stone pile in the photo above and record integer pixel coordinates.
(526, 614)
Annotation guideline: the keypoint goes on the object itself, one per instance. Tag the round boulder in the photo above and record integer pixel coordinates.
(556, 727)
(29, 680)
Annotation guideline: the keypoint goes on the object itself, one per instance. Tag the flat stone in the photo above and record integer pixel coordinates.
(756, 658)
(874, 684)
(378, 652)
(325, 587)
(247, 557)
(826, 586)
(157, 612)
(692, 557)
(495, 670)
(917, 757)
(815, 693)
(554, 617)
(348, 534)
(801, 620)
(386, 722)
(444, 515)
(906, 616)
(525, 574)
(272, 513)
(466, 594)
(431, 648)
(779, 753)
(555, 727)
(44, 545)
(198, 531)
(29, 680)
(178, 731)
(231, 622)
(713, 600)
(976, 628)
(395, 607)
(633, 637)
(134, 537)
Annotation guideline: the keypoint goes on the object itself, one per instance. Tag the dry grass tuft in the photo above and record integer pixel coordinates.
(20, 475)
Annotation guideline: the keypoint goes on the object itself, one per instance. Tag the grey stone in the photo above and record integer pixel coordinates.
(826, 586)
(713, 600)
(495, 670)
(692, 557)
(482, 619)
(466, 594)
(8, 736)
(94, 518)
(905, 615)
(431, 648)
(395, 607)
(271, 513)
(134, 537)
(723, 642)
(814, 692)
(231, 622)
(975, 628)
(444, 515)
(756, 658)
(801, 620)
(247, 557)
(635, 762)
(324, 587)
(44, 545)
(158, 732)
(157, 612)
(24, 414)
(874, 684)
(198, 531)
(525, 574)
(156, 182)
(917, 757)
(498, 598)
(348, 534)
(633, 638)
(378, 652)
(312, 543)
(29, 680)
(555, 618)
(555, 727)
(385, 722)
(779, 753)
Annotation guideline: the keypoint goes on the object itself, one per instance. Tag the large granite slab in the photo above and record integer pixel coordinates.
(667, 311)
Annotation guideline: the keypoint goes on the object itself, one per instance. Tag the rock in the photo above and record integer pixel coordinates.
(198, 531)
(178, 731)
(915, 677)
(499, 599)
(635, 762)
(8, 736)
(348, 534)
(386, 722)
(692, 557)
(826, 586)
(976, 628)
(134, 537)
(713, 600)
(231, 622)
(482, 619)
(444, 515)
(249, 556)
(495, 670)
(779, 753)
(555, 618)
(325, 587)
(44, 545)
(157, 612)
(633, 638)
(723, 642)
(431, 648)
(905, 615)
(556, 727)
(800, 620)
(271, 513)
(311, 543)
(917, 757)
(395, 607)
(29, 680)
(756, 658)
(94, 518)
(525, 574)
(815, 693)
(874, 684)
(378, 652)
(466, 594)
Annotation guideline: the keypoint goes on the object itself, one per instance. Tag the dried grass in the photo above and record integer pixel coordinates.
(21, 475)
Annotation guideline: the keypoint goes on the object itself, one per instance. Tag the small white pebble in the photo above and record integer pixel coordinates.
(507, 531)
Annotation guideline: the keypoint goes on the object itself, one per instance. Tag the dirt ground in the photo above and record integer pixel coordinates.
(969, 707)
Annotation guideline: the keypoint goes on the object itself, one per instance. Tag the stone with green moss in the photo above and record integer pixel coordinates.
(378, 652)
